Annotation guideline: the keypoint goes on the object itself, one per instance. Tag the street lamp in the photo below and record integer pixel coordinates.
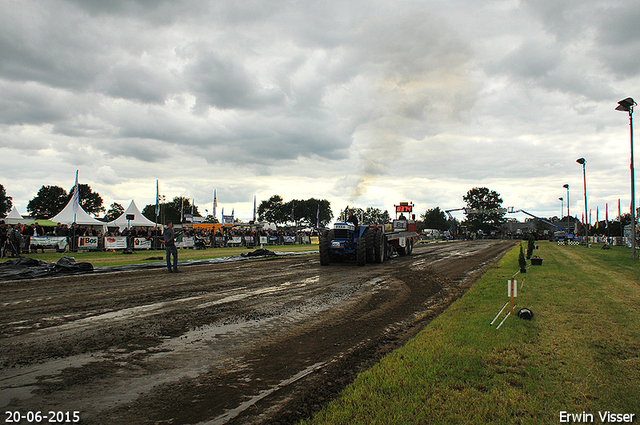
(561, 199)
(627, 106)
(583, 162)
(566, 186)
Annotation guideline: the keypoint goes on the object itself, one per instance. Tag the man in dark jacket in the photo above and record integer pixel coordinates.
(170, 247)
(16, 240)
(352, 219)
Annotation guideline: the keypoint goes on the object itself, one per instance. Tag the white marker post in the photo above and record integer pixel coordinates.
(512, 290)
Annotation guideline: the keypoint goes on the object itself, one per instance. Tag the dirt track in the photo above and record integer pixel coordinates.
(269, 340)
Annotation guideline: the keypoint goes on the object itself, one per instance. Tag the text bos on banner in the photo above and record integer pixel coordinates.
(87, 242)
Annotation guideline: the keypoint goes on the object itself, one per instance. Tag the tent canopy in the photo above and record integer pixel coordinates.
(138, 219)
(14, 217)
(66, 216)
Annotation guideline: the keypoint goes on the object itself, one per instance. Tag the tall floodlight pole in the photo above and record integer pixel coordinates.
(561, 199)
(566, 186)
(583, 162)
(627, 106)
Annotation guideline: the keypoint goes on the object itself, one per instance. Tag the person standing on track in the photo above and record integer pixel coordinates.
(170, 247)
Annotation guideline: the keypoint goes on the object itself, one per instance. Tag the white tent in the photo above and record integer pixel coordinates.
(66, 216)
(138, 219)
(14, 217)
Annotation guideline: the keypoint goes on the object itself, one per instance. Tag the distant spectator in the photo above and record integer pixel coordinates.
(170, 247)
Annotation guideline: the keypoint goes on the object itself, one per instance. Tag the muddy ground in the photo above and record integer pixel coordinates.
(259, 341)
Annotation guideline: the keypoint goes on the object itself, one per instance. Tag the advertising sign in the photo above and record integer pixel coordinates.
(115, 242)
(88, 242)
(142, 243)
(49, 241)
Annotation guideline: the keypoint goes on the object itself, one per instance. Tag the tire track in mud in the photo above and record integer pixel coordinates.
(244, 342)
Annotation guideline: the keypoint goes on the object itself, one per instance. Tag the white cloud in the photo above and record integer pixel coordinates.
(356, 102)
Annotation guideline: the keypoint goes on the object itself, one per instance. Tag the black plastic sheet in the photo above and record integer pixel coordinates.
(29, 268)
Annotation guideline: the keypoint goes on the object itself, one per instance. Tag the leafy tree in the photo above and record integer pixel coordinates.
(149, 211)
(183, 206)
(434, 218)
(5, 202)
(369, 216)
(48, 202)
(170, 211)
(210, 219)
(485, 210)
(89, 200)
(309, 211)
(305, 211)
(273, 210)
(115, 211)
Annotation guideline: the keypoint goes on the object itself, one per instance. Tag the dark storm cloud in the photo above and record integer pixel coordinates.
(137, 82)
(31, 103)
(224, 83)
(366, 93)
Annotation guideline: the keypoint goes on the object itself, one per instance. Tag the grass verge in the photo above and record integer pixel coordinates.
(579, 354)
(109, 258)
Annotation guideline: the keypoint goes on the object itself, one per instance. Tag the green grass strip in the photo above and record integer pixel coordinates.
(578, 355)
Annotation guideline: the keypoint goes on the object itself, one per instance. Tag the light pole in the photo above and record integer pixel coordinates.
(627, 106)
(561, 199)
(583, 162)
(566, 186)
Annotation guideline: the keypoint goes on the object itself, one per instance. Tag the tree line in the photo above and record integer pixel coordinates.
(484, 208)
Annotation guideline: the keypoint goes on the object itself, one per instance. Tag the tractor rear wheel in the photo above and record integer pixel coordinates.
(378, 246)
(361, 251)
(368, 237)
(325, 245)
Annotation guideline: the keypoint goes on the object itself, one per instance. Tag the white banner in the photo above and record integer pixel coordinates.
(186, 243)
(264, 240)
(87, 242)
(115, 242)
(57, 241)
(142, 243)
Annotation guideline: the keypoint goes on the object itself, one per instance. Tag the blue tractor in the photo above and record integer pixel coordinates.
(349, 242)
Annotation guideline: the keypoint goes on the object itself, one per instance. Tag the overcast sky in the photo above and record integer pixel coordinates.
(364, 103)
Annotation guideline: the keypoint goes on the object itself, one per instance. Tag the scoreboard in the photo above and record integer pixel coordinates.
(404, 207)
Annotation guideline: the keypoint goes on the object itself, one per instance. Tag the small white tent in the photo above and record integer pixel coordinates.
(66, 216)
(138, 219)
(14, 217)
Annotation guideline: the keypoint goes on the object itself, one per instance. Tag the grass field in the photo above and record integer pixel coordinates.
(578, 356)
(109, 258)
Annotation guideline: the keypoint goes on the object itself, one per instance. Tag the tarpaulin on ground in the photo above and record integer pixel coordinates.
(29, 268)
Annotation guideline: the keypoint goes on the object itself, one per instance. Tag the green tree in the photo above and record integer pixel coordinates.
(309, 211)
(273, 211)
(115, 211)
(434, 218)
(149, 211)
(5, 202)
(367, 216)
(48, 202)
(170, 211)
(89, 200)
(485, 210)
(302, 211)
